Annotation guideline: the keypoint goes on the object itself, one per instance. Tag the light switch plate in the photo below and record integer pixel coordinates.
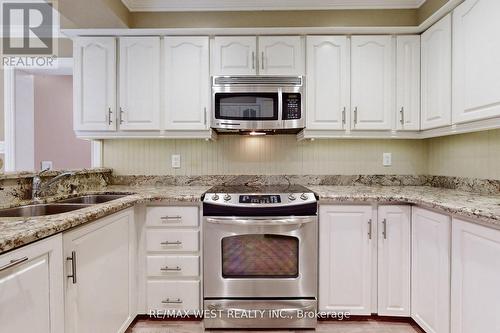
(387, 159)
(44, 165)
(176, 161)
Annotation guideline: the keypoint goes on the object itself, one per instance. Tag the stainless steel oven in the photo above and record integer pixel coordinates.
(249, 103)
(260, 251)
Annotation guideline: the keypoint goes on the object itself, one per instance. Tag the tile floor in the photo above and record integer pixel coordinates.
(370, 326)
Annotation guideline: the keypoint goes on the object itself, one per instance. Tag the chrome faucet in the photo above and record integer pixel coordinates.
(38, 187)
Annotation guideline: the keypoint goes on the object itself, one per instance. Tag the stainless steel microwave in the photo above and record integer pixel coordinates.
(262, 103)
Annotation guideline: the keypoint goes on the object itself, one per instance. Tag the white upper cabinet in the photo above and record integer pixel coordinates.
(234, 55)
(345, 258)
(372, 85)
(327, 82)
(475, 297)
(436, 75)
(94, 84)
(281, 55)
(408, 82)
(394, 260)
(476, 60)
(187, 83)
(139, 98)
(430, 271)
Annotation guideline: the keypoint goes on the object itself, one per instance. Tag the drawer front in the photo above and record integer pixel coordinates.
(173, 266)
(172, 216)
(178, 295)
(172, 240)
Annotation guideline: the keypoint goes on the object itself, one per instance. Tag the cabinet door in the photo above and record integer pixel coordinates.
(436, 75)
(31, 288)
(408, 83)
(327, 82)
(281, 55)
(101, 298)
(430, 289)
(94, 84)
(476, 64)
(139, 83)
(235, 56)
(187, 83)
(394, 261)
(372, 85)
(345, 251)
(475, 297)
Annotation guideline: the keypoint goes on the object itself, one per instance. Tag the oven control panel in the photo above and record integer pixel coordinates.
(260, 199)
(255, 199)
(292, 106)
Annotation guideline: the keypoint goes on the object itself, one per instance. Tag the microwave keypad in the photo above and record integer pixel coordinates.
(291, 106)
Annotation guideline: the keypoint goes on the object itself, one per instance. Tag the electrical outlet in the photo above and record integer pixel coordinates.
(176, 161)
(387, 159)
(46, 165)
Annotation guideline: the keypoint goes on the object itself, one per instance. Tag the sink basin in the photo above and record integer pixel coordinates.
(93, 199)
(39, 210)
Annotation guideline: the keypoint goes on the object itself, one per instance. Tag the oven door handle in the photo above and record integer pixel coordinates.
(290, 311)
(262, 221)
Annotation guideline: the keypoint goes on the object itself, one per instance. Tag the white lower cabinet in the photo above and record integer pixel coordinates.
(31, 288)
(100, 270)
(345, 258)
(430, 278)
(475, 298)
(394, 260)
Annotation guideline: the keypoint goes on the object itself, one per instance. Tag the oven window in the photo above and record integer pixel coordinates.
(260, 255)
(246, 106)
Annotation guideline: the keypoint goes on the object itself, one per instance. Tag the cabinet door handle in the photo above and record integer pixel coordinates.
(253, 59)
(109, 116)
(171, 243)
(262, 60)
(370, 229)
(355, 115)
(205, 115)
(171, 219)
(172, 301)
(384, 230)
(168, 269)
(402, 113)
(121, 115)
(343, 116)
(73, 266)
(12, 263)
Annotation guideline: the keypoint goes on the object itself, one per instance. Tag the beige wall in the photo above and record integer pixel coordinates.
(279, 154)
(428, 8)
(93, 14)
(475, 155)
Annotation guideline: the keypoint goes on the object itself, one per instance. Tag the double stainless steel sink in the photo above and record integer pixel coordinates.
(59, 207)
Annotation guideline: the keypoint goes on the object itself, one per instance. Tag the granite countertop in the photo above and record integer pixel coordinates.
(484, 209)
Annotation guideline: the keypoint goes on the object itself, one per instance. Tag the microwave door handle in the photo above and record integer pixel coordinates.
(262, 221)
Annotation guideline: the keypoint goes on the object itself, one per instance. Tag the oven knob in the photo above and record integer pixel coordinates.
(227, 197)
(291, 197)
(215, 197)
(304, 196)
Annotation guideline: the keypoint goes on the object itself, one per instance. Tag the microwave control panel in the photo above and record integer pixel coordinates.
(291, 106)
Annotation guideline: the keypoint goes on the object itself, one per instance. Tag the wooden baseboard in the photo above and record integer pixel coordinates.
(145, 317)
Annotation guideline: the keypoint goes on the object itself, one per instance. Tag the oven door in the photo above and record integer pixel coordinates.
(247, 108)
(260, 257)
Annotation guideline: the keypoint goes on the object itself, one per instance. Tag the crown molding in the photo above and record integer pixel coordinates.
(250, 5)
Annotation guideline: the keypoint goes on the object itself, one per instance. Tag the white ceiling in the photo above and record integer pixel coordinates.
(221, 5)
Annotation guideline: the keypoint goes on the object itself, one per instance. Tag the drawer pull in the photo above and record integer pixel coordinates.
(172, 301)
(171, 243)
(13, 263)
(175, 269)
(171, 219)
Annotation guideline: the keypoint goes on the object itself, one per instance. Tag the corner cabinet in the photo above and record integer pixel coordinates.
(187, 83)
(436, 75)
(94, 84)
(476, 65)
(408, 83)
(372, 82)
(475, 299)
(430, 290)
(31, 288)
(100, 270)
(327, 82)
(139, 93)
